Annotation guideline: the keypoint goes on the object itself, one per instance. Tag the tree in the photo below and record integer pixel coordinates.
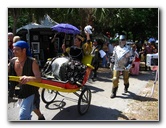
(14, 13)
(135, 22)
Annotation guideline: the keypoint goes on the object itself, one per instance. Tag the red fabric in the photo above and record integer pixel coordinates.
(135, 69)
(59, 84)
(133, 65)
(154, 68)
(137, 59)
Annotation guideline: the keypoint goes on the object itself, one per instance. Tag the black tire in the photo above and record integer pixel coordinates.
(84, 101)
(48, 96)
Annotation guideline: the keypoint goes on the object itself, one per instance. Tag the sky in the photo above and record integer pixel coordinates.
(5, 4)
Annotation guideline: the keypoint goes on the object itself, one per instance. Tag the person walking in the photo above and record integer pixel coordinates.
(27, 68)
(148, 50)
(122, 58)
(12, 92)
(97, 45)
(10, 43)
(11, 86)
(105, 59)
(136, 63)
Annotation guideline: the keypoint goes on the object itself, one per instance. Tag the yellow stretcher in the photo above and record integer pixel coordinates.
(43, 85)
(60, 86)
(55, 86)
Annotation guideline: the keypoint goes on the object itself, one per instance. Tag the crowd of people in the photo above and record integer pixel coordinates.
(121, 58)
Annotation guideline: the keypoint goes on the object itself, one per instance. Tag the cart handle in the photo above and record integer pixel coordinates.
(43, 85)
(89, 65)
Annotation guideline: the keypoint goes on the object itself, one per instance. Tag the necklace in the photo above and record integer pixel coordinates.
(20, 64)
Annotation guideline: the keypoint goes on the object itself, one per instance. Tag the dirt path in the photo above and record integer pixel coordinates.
(126, 106)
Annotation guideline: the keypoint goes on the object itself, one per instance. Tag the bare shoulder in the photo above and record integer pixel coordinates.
(34, 60)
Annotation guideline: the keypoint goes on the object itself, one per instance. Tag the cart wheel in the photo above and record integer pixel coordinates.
(48, 95)
(84, 101)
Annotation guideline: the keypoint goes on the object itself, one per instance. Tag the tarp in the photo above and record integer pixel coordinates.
(31, 26)
(101, 37)
(47, 22)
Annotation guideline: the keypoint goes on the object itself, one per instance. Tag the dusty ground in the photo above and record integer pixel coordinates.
(145, 109)
(137, 107)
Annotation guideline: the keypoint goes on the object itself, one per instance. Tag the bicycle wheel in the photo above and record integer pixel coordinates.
(84, 101)
(48, 95)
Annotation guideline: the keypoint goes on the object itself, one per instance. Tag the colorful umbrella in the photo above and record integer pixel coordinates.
(66, 28)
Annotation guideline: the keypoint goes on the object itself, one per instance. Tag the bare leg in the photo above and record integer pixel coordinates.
(39, 114)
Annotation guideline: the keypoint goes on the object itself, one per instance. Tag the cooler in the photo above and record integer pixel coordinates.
(152, 59)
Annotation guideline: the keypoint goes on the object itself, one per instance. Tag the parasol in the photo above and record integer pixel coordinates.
(66, 28)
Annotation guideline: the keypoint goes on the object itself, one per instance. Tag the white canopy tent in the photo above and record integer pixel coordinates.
(31, 26)
(47, 22)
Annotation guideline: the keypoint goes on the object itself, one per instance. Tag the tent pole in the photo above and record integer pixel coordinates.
(29, 42)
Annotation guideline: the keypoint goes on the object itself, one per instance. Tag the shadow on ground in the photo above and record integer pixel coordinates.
(95, 113)
(131, 95)
(95, 89)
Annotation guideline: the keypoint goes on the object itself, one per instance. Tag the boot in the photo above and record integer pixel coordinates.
(126, 88)
(94, 75)
(113, 95)
(41, 118)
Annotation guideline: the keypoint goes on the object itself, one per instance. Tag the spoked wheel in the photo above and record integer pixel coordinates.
(48, 95)
(84, 101)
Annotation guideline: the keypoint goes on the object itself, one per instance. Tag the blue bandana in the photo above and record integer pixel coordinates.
(23, 44)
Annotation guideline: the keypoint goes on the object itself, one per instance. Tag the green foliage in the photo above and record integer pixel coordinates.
(135, 22)
(10, 22)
